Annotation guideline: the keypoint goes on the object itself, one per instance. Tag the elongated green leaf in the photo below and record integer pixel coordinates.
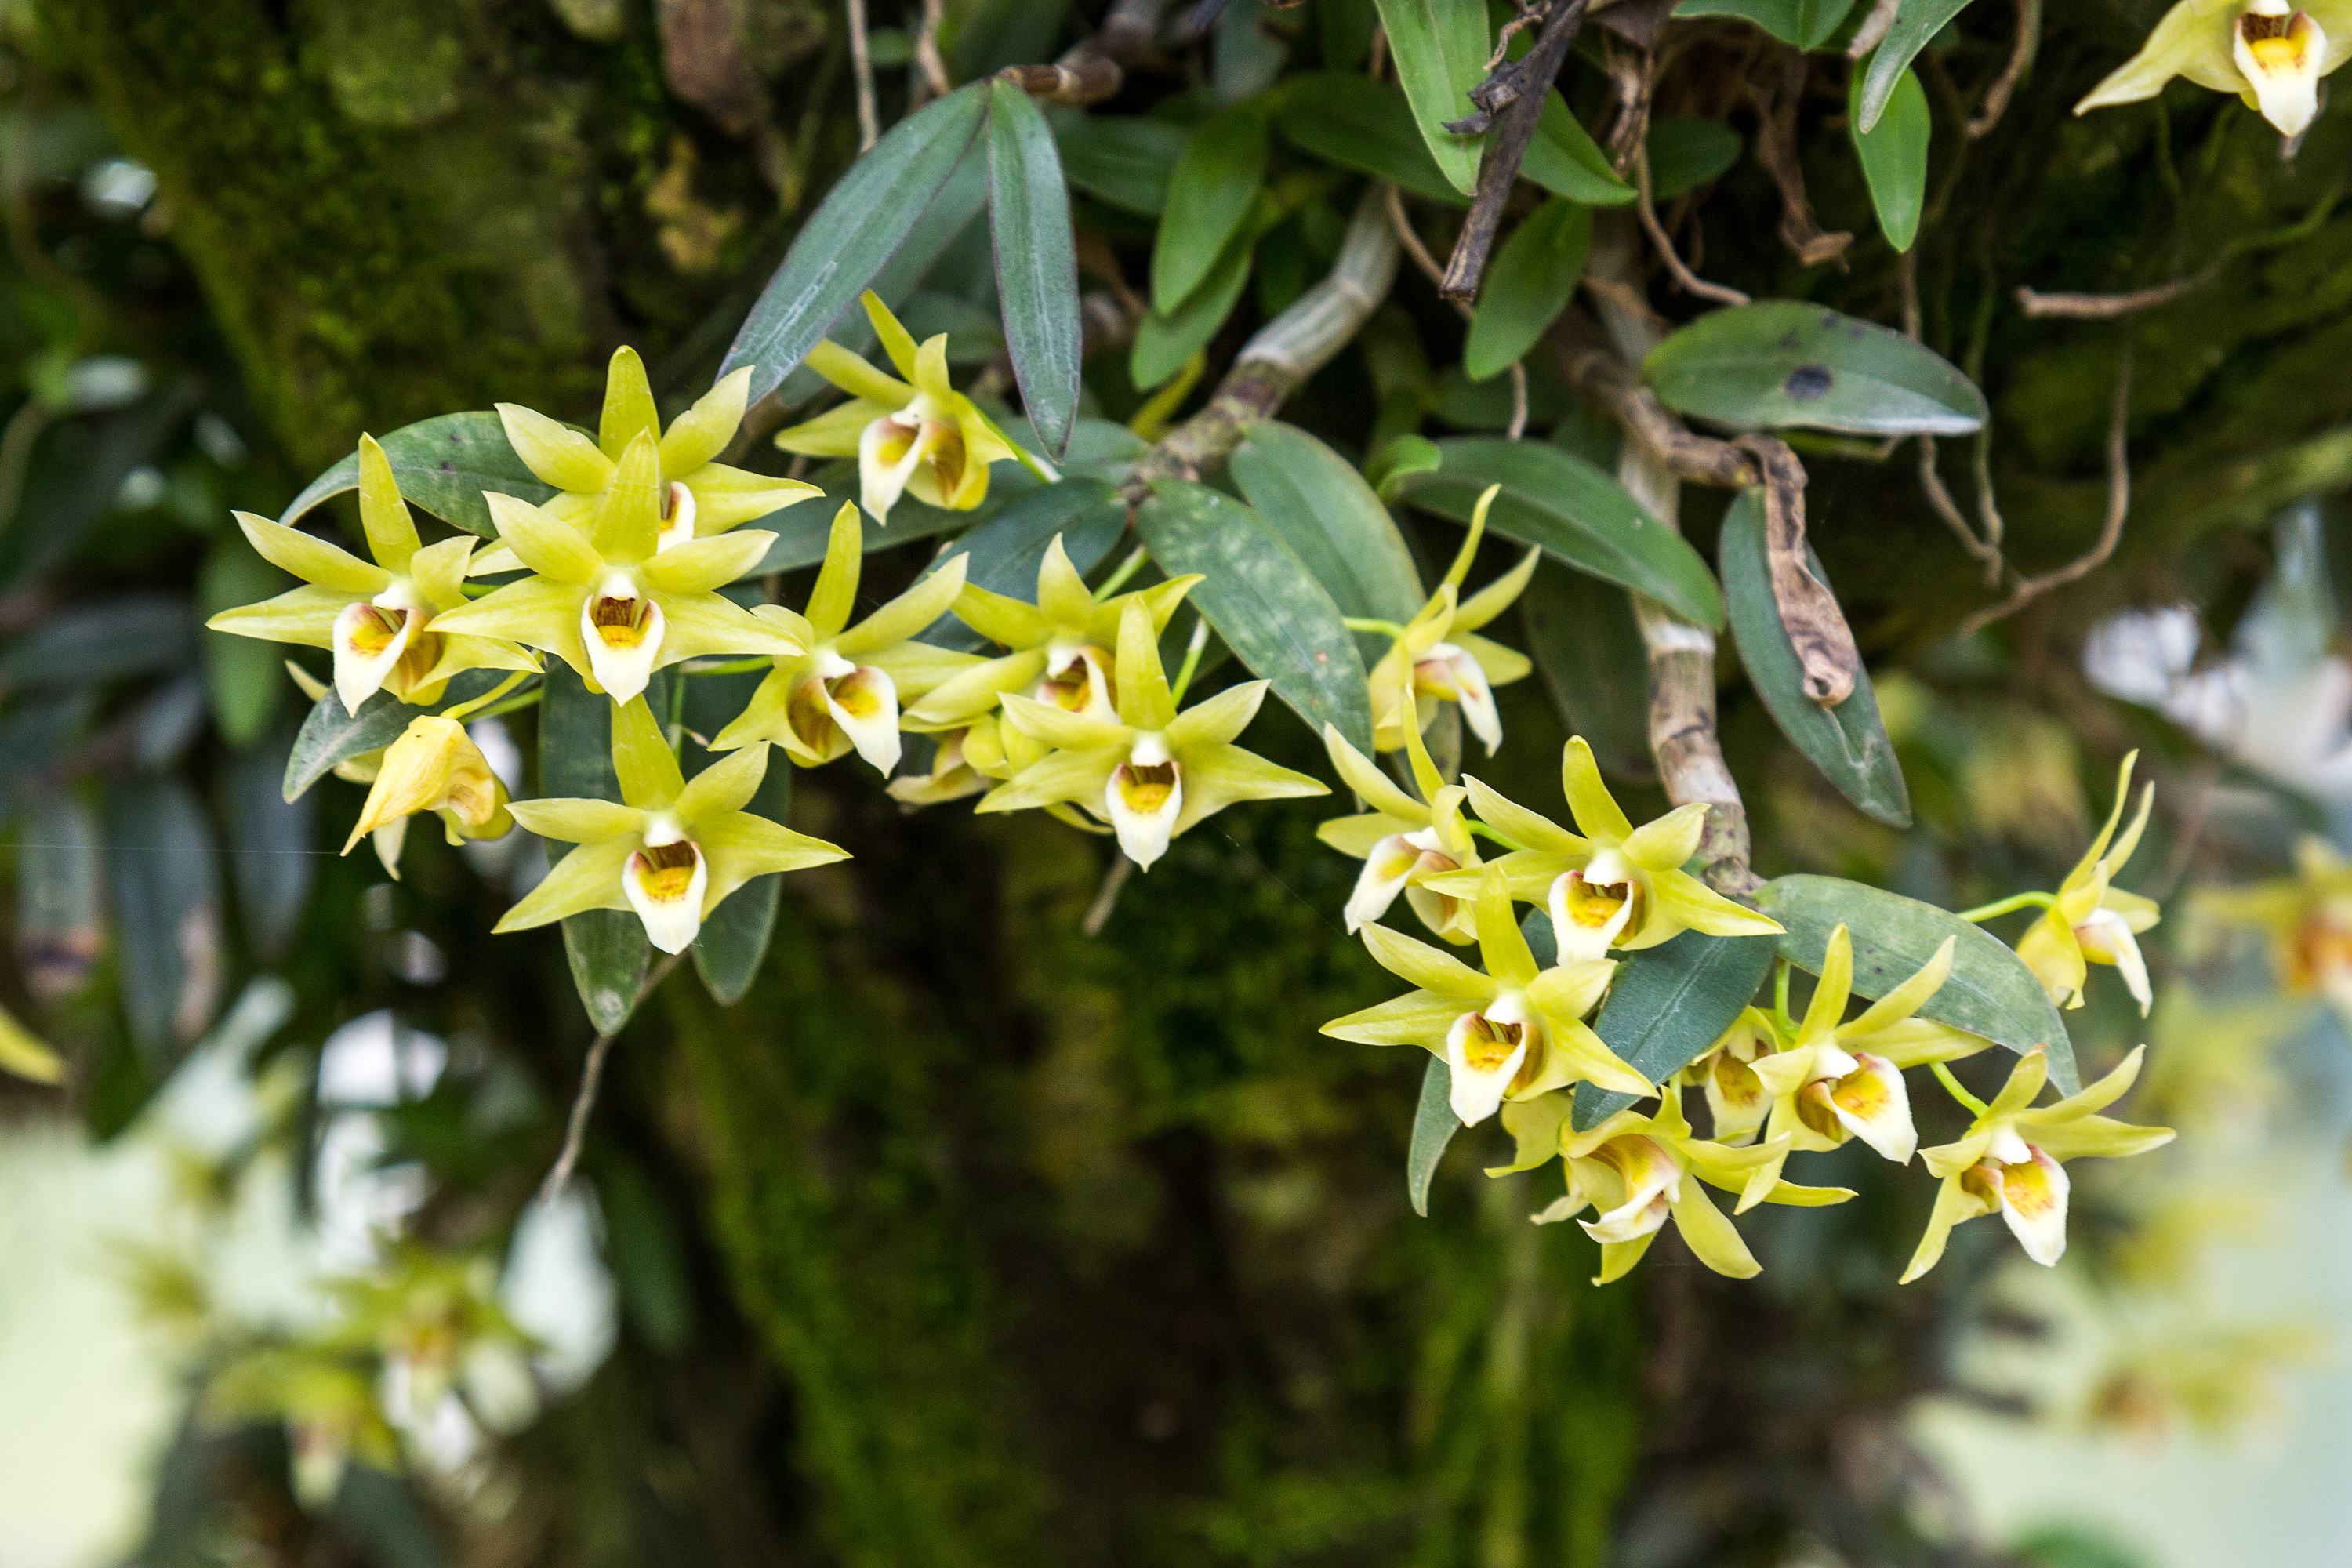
(1364, 125)
(849, 238)
(1784, 361)
(1264, 602)
(60, 879)
(330, 736)
(1036, 261)
(1122, 160)
(1565, 159)
(1532, 278)
(1669, 1003)
(1586, 646)
(734, 940)
(1847, 742)
(1433, 1127)
(133, 635)
(1439, 47)
(1324, 512)
(1576, 513)
(607, 948)
(1210, 194)
(1803, 24)
(1916, 25)
(273, 868)
(444, 464)
(1003, 553)
(1164, 341)
(1990, 992)
(1687, 151)
(1895, 157)
(165, 891)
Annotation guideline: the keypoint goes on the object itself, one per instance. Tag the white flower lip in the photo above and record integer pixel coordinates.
(666, 883)
(370, 638)
(623, 630)
(1143, 798)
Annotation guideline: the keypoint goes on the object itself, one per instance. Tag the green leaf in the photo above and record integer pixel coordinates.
(862, 219)
(1802, 24)
(1364, 125)
(444, 464)
(1400, 457)
(330, 736)
(165, 893)
(1003, 553)
(134, 635)
(1895, 157)
(1037, 262)
(1687, 151)
(1669, 1003)
(1576, 513)
(1210, 196)
(1314, 499)
(734, 940)
(1264, 602)
(1565, 159)
(1433, 1127)
(607, 948)
(274, 865)
(1123, 161)
(60, 879)
(1439, 47)
(1784, 361)
(1532, 278)
(1916, 25)
(1163, 342)
(1586, 646)
(1847, 742)
(1990, 992)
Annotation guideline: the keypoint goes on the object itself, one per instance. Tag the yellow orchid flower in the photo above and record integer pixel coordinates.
(1842, 1077)
(917, 435)
(1151, 772)
(2307, 918)
(1737, 1101)
(610, 603)
(1057, 650)
(2270, 53)
(433, 766)
(698, 495)
(843, 691)
(383, 619)
(1439, 657)
(2011, 1159)
(26, 1054)
(957, 765)
(2093, 922)
(1637, 1171)
(1613, 885)
(671, 849)
(1402, 842)
(1513, 1033)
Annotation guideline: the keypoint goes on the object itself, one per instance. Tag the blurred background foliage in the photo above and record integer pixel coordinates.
(966, 1237)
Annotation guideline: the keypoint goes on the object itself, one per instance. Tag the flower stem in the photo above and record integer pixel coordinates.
(733, 666)
(1483, 831)
(1780, 975)
(465, 709)
(1126, 569)
(1378, 628)
(1952, 1087)
(2009, 905)
(514, 704)
(1191, 661)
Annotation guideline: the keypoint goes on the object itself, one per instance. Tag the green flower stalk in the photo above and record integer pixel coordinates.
(2011, 1161)
(385, 620)
(1438, 656)
(1842, 1079)
(1513, 1033)
(1149, 771)
(919, 435)
(2091, 921)
(670, 850)
(1612, 885)
(610, 602)
(1403, 842)
(698, 495)
(2269, 53)
(844, 689)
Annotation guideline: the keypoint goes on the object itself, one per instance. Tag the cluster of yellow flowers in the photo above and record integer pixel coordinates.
(1514, 1040)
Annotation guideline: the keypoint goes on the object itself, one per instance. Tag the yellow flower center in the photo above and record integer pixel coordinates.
(1146, 786)
(668, 869)
(374, 628)
(620, 622)
(1487, 1043)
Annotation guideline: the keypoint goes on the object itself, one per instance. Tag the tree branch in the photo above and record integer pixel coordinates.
(1512, 100)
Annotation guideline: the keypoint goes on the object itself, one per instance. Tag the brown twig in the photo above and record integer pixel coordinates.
(1512, 100)
(592, 1076)
(1776, 149)
(2108, 307)
(2111, 528)
(1809, 611)
(1986, 547)
(1646, 210)
(861, 65)
(2021, 61)
(931, 66)
(1409, 242)
(1095, 68)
